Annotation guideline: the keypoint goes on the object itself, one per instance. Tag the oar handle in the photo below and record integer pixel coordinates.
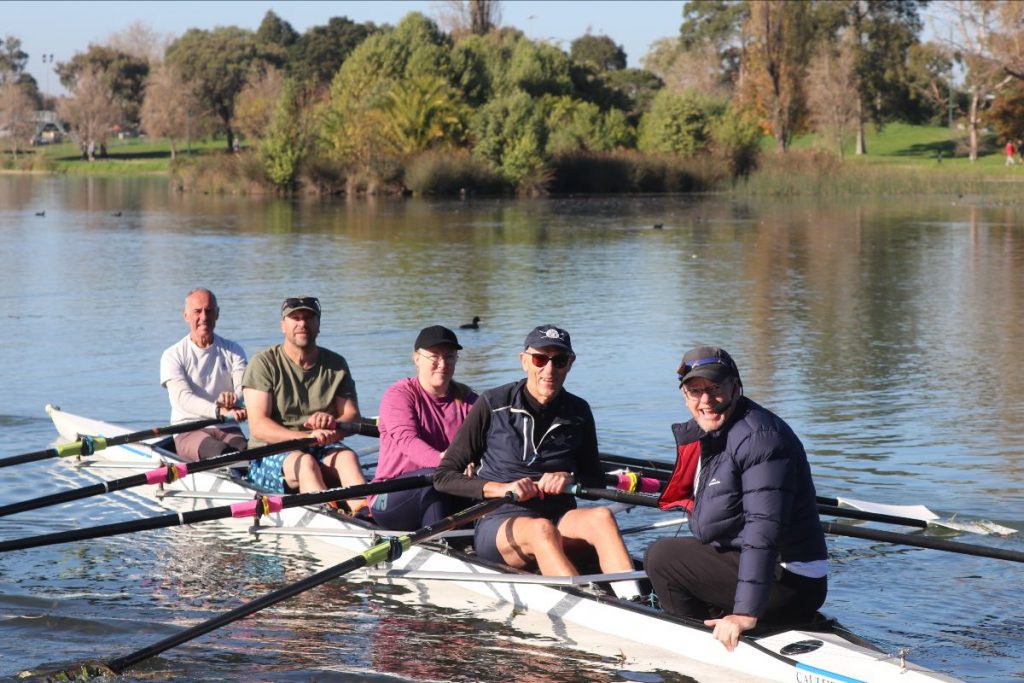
(361, 428)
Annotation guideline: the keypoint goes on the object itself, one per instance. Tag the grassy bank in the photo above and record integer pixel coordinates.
(124, 157)
(901, 160)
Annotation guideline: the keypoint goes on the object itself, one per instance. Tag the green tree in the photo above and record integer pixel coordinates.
(929, 70)
(422, 114)
(883, 32)
(511, 134)
(678, 123)
(353, 131)
(601, 51)
(218, 64)
(286, 141)
(575, 125)
(319, 52)
(274, 30)
(123, 73)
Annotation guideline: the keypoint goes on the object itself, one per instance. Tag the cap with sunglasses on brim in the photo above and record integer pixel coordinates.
(709, 362)
(300, 303)
(548, 335)
(434, 335)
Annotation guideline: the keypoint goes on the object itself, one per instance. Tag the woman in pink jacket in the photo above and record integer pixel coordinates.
(419, 417)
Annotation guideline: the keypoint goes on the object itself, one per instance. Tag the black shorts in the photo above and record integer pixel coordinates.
(485, 538)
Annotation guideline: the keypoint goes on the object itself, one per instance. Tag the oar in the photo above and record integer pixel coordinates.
(831, 528)
(906, 515)
(87, 445)
(387, 550)
(260, 505)
(161, 475)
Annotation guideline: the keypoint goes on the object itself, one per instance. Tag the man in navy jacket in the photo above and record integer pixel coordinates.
(758, 549)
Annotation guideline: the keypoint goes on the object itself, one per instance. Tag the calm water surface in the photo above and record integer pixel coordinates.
(887, 332)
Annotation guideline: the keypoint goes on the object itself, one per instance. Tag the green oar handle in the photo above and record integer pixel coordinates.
(87, 445)
(374, 555)
(165, 474)
(258, 506)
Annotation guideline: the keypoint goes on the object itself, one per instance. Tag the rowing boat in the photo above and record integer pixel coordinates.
(573, 610)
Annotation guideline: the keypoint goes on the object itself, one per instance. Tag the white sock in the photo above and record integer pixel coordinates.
(625, 589)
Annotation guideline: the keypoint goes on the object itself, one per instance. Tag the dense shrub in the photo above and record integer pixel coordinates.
(451, 173)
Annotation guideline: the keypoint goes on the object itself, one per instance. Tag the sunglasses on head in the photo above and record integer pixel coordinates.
(560, 361)
(687, 367)
(302, 302)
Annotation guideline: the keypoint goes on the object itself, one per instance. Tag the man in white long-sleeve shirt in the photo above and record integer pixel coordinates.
(203, 376)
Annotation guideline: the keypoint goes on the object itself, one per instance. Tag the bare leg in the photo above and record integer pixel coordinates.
(341, 468)
(302, 472)
(523, 540)
(596, 526)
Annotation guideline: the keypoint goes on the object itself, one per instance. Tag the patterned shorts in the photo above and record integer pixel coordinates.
(268, 472)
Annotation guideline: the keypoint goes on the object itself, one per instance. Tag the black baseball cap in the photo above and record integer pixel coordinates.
(434, 335)
(709, 362)
(548, 335)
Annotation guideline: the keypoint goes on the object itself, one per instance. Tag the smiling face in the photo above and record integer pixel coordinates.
(702, 396)
(435, 367)
(201, 313)
(546, 380)
(301, 329)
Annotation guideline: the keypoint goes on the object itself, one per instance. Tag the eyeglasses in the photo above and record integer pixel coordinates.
(448, 358)
(712, 390)
(301, 302)
(541, 359)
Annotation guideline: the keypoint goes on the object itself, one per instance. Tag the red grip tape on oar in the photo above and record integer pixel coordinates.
(633, 482)
(165, 475)
(262, 505)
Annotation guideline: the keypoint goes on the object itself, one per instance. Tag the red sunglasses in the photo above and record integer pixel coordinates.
(542, 359)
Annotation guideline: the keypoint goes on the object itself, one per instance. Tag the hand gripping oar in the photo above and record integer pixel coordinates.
(831, 528)
(260, 505)
(161, 475)
(387, 550)
(87, 445)
(905, 515)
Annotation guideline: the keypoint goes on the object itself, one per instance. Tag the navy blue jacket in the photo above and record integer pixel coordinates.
(754, 494)
(498, 435)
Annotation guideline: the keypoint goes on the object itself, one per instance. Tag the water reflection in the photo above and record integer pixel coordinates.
(884, 331)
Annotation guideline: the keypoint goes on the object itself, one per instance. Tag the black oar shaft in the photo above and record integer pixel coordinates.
(922, 542)
(374, 555)
(92, 444)
(209, 514)
(173, 471)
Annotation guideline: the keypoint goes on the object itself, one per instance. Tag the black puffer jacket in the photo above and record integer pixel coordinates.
(754, 494)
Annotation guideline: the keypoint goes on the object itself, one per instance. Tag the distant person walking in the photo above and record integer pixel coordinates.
(1011, 150)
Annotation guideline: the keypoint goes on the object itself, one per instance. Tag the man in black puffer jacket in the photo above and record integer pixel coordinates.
(758, 549)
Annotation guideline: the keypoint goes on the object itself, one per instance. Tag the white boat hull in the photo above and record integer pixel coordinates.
(577, 616)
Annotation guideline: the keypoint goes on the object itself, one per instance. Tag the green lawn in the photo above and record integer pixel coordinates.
(124, 157)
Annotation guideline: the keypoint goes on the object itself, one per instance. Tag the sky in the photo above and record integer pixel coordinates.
(64, 28)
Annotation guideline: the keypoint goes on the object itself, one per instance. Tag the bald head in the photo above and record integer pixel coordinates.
(201, 313)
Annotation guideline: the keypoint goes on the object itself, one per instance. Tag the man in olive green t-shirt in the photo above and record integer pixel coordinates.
(298, 386)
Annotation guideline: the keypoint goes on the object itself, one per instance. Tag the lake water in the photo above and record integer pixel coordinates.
(887, 332)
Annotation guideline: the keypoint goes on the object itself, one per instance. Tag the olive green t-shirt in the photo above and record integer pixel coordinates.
(296, 392)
